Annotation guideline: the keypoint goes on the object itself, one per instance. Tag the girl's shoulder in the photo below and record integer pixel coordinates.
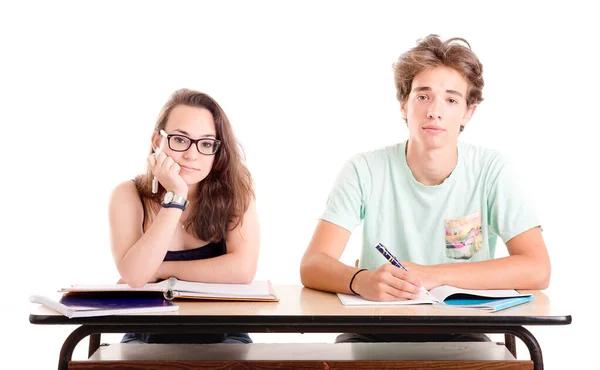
(126, 188)
(126, 194)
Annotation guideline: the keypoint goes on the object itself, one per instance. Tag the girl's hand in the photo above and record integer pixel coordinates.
(166, 171)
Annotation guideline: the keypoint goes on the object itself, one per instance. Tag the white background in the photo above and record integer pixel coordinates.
(306, 85)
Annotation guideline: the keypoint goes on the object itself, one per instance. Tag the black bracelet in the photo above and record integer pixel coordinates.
(351, 280)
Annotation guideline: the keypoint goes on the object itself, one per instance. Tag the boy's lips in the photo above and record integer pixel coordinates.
(433, 129)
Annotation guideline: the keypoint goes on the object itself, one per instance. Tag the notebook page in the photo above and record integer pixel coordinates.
(254, 289)
(445, 291)
(116, 287)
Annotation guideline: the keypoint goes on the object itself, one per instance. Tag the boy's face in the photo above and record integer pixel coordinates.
(437, 107)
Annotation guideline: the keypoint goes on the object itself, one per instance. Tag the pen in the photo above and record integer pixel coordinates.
(394, 261)
(157, 151)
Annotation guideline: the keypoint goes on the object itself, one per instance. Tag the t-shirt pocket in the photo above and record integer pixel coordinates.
(463, 236)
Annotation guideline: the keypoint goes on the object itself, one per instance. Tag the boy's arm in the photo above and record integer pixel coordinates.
(321, 269)
(527, 267)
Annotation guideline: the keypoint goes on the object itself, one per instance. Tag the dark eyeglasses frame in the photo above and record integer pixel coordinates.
(216, 142)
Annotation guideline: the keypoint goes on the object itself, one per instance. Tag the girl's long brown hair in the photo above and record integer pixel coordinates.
(225, 194)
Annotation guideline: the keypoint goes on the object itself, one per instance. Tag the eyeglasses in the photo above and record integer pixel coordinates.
(180, 143)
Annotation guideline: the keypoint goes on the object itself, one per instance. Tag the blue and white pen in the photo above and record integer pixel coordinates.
(394, 261)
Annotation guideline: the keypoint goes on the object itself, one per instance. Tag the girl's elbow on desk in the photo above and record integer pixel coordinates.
(134, 282)
(246, 273)
(135, 279)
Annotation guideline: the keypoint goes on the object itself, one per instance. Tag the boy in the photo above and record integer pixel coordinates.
(432, 201)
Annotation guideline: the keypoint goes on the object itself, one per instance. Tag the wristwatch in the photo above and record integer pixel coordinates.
(172, 200)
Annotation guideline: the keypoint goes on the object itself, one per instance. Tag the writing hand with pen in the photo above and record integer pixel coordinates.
(386, 283)
(390, 282)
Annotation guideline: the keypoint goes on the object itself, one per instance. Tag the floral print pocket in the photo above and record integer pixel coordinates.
(463, 236)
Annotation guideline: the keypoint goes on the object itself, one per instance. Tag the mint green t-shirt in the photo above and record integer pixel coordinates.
(456, 221)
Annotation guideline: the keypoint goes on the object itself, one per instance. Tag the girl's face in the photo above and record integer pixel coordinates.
(189, 123)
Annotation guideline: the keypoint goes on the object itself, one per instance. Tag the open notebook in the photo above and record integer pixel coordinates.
(173, 288)
(452, 297)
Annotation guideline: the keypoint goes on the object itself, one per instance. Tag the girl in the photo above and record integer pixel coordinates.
(201, 225)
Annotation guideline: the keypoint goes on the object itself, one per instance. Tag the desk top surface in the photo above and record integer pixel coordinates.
(299, 305)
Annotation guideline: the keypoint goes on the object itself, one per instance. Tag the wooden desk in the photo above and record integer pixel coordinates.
(303, 310)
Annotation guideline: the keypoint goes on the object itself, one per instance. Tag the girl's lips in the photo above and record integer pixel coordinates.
(188, 168)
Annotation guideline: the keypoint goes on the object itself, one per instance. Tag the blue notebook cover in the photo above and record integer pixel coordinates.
(82, 302)
(86, 305)
(489, 304)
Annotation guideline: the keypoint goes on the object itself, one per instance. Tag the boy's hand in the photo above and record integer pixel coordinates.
(387, 283)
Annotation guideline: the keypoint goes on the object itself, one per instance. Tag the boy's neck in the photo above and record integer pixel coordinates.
(431, 166)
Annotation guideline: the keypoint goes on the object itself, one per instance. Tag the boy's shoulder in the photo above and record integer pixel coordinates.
(477, 155)
(379, 156)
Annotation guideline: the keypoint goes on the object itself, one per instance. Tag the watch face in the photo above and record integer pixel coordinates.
(168, 197)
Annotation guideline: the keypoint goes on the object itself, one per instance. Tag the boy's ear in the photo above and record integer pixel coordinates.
(403, 110)
(468, 114)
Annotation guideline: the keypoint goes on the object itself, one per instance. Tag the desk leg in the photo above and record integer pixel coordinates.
(535, 351)
(94, 331)
(511, 345)
(66, 352)
(95, 344)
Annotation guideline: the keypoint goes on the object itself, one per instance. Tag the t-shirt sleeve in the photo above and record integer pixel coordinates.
(345, 205)
(511, 210)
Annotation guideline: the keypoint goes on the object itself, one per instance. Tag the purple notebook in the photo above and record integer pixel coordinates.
(86, 305)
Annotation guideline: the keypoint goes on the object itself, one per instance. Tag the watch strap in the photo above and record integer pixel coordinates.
(173, 205)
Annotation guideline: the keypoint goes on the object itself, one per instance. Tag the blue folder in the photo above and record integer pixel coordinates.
(489, 304)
